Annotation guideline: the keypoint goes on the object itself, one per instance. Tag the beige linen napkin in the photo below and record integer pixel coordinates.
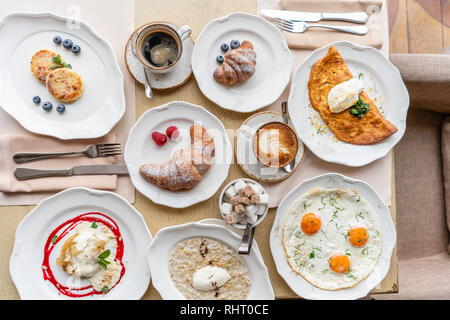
(11, 144)
(317, 37)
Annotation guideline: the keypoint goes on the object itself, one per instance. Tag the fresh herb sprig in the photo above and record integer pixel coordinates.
(359, 109)
(59, 63)
(101, 259)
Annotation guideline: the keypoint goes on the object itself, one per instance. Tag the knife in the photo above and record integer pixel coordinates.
(357, 17)
(100, 169)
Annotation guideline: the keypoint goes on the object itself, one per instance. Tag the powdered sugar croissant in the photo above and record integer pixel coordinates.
(238, 65)
(186, 167)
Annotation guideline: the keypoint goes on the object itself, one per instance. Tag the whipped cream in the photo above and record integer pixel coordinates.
(344, 95)
(210, 278)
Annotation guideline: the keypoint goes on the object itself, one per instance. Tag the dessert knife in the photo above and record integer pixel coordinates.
(101, 169)
(356, 17)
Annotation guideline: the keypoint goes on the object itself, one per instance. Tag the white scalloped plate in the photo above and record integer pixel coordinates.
(141, 149)
(299, 285)
(273, 62)
(102, 103)
(32, 233)
(383, 82)
(158, 258)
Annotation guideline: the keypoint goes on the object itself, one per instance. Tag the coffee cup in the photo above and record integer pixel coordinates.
(158, 46)
(275, 144)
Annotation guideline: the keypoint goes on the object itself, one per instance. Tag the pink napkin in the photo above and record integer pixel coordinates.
(318, 37)
(11, 144)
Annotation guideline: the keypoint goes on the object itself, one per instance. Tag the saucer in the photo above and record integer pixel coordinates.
(161, 81)
(244, 149)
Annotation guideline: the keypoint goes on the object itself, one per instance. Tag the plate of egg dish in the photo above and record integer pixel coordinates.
(332, 238)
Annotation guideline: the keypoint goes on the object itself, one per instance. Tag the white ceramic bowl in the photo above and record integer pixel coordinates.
(158, 258)
(239, 225)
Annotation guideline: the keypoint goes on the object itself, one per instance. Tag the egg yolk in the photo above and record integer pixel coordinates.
(358, 236)
(311, 223)
(339, 262)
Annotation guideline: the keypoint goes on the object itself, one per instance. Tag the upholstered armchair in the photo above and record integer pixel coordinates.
(422, 176)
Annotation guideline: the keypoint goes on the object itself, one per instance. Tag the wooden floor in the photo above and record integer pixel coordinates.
(419, 26)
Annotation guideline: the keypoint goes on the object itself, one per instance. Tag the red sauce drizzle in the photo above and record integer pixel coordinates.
(61, 231)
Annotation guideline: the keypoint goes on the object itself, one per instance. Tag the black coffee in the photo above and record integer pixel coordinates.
(160, 49)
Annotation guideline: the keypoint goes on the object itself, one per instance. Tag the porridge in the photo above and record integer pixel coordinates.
(205, 269)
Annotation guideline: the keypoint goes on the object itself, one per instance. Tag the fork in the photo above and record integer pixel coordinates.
(301, 26)
(92, 151)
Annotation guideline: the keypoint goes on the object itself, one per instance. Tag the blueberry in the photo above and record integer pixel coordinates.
(224, 47)
(76, 49)
(67, 43)
(61, 108)
(219, 59)
(234, 44)
(37, 99)
(47, 106)
(57, 39)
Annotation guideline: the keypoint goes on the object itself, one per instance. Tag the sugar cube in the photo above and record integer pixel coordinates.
(252, 219)
(239, 209)
(250, 210)
(231, 219)
(227, 208)
(257, 188)
(264, 198)
(248, 191)
(231, 192)
(239, 185)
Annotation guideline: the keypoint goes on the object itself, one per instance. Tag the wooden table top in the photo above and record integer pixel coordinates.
(196, 13)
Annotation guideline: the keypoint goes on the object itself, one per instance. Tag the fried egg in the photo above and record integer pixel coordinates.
(332, 238)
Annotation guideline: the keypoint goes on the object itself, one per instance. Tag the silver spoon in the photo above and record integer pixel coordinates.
(247, 240)
(290, 167)
(148, 88)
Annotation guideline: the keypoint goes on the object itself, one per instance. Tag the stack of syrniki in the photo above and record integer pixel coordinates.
(186, 167)
(62, 82)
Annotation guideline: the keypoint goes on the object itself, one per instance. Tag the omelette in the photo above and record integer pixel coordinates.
(332, 238)
(371, 128)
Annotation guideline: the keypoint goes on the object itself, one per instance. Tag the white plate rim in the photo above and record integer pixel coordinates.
(299, 285)
(63, 134)
(223, 104)
(161, 284)
(318, 151)
(181, 201)
(16, 279)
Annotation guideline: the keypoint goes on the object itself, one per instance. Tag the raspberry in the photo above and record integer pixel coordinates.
(172, 132)
(159, 138)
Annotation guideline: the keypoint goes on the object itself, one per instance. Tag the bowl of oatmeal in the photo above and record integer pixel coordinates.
(199, 261)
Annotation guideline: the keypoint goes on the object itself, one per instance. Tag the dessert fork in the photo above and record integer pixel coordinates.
(92, 151)
(301, 26)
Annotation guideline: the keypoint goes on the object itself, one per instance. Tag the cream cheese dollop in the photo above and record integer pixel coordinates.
(344, 95)
(210, 278)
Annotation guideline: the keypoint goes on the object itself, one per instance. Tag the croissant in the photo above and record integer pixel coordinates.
(238, 65)
(186, 167)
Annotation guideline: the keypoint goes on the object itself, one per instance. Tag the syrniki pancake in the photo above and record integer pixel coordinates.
(64, 84)
(327, 73)
(41, 62)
